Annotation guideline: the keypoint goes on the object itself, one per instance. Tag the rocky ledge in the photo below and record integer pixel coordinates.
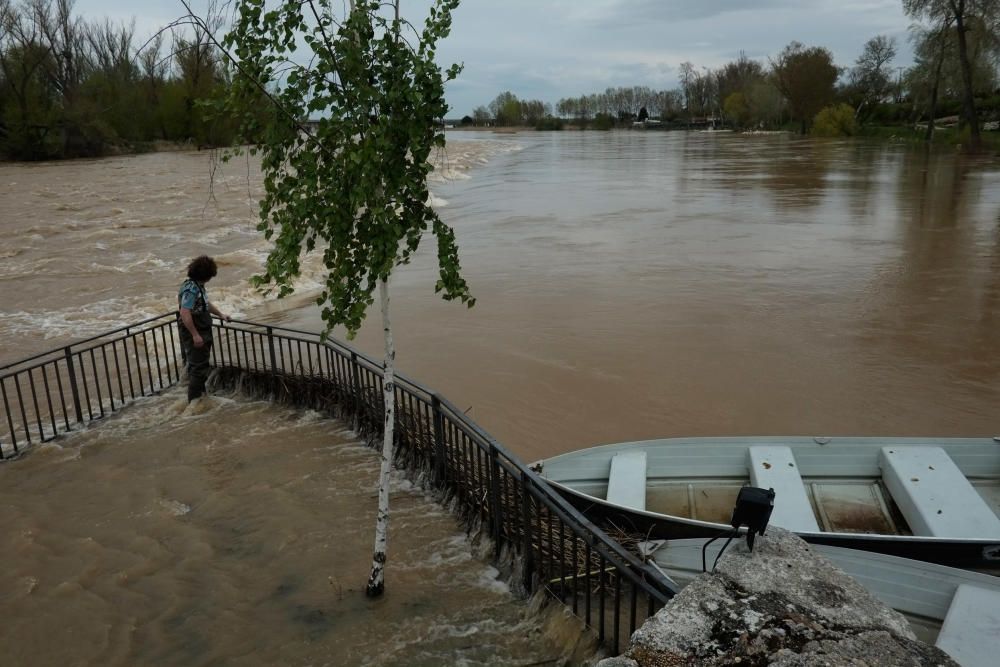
(783, 605)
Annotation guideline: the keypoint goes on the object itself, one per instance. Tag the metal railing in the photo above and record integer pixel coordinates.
(550, 544)
(63, 389)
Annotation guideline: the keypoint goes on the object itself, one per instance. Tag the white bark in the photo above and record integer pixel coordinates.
(376, 580)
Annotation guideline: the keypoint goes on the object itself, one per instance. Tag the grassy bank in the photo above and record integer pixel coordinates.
(948, 136)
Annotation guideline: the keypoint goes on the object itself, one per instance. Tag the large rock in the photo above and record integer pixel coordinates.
(783, 605)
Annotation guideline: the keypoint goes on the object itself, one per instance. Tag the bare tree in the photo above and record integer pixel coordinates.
(199, 67)
(931, 49)
(153, 72)
(737, 77)
(871, 76)
(965, 13)
(670, 103)
(64, 35)
(481, 115)
(111, 48)
(25, 60)
(688, 76)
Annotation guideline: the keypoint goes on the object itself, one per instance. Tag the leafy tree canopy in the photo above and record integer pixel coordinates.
(806, 77)
(355, 188)
(835, 121)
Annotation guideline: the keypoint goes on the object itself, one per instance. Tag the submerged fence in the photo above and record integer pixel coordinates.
(66, 388)
(551, 545)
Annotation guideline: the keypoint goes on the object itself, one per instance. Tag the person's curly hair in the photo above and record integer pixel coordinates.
(202, 269)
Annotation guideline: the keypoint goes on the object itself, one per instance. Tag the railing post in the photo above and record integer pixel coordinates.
(10, 420)
(356, 381)
(73, 385)
(439, 451)
(528, 552)
(270, 345)
(496, 514)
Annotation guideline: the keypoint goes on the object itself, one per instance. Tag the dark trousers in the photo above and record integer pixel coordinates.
(197, 362)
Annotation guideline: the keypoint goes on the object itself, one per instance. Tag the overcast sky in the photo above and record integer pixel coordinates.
(549, 49)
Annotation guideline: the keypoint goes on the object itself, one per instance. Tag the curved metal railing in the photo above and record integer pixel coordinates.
(550, 545)
(58, 391)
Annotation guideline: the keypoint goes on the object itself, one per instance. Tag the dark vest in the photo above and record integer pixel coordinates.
(200, 314)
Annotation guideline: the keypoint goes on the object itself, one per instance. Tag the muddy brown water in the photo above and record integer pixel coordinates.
(235, 532)
(646, 285)
(630, 285)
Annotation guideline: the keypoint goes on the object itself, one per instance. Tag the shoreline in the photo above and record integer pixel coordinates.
(512, 129)
(943, 136)
(114, 150)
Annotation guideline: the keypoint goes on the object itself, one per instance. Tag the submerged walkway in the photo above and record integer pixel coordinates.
(240, 531)
(550, 545)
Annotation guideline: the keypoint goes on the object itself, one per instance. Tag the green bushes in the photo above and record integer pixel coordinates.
(603, 121)
(549, 123)
(890, 113)
(71, 88)
(835, 121)
(737, 110)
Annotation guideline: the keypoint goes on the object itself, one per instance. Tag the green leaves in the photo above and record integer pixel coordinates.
(355, 189)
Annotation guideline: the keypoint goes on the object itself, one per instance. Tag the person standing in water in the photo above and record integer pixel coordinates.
(196, 323)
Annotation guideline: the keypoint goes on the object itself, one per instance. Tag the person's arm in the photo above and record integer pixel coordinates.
(215, 311)
(188, 323)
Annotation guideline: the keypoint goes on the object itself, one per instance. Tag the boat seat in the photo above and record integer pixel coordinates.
(933, 494)
(627, 480)
(971, 630)
(774, 467)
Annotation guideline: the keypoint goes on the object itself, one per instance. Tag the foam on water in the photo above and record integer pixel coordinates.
(455, 163)
(114, 251)
(79, 321)
(192, 541)
(174, 507)
(209, 544)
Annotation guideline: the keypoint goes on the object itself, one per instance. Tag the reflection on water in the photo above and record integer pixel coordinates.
(940, 295)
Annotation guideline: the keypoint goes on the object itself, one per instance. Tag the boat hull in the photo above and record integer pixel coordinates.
(978, 554)
(582, 478)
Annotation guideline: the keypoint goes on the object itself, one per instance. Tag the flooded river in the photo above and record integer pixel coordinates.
(644, 285)
(240, 533)
(630, 285)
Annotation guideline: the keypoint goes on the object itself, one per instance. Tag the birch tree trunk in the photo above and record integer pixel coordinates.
(934, 90)
(376, 580)
(381, 98)
(968, 98)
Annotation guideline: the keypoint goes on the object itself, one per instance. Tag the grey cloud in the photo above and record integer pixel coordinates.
(548, 49)
(632, 12)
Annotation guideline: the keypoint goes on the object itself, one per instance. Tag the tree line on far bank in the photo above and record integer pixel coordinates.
(957, 47)
(72, 88)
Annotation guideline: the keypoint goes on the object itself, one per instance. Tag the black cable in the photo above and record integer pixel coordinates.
(723, 549)
(732, 533)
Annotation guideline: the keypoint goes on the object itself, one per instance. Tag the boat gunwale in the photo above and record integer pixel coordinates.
(823, 444)
(872, 537)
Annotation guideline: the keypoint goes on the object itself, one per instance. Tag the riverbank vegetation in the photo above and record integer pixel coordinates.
(70, 87)
(953, 82)
(73, 88)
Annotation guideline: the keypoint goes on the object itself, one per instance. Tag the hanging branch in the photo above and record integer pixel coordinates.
(356, 188)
